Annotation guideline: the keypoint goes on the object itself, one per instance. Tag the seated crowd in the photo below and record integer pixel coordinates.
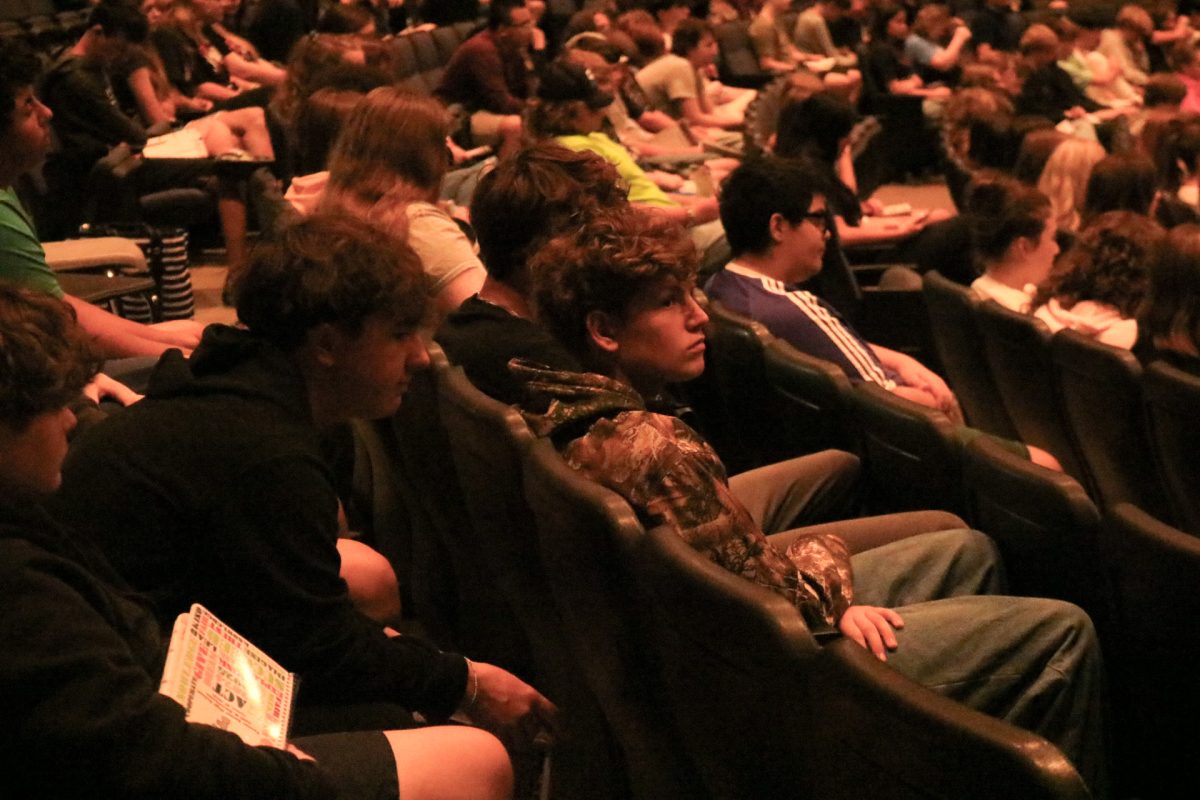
(557, 214)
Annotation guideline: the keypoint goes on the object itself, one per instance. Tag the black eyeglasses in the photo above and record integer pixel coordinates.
(819, 219)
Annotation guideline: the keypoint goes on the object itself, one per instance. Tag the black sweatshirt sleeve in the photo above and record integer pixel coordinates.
(278, 558)
(82, 716)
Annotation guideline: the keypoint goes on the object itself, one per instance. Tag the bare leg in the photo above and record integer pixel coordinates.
(250, 125)
(451, 763)
(218, 137)
(510, 136)
(231, 208)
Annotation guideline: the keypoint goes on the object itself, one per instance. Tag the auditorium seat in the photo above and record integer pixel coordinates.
(1172, 400)
(737, 63)
(746, 431)
(1101, 392)
(810, 396)
(487, 440)
(1155, 570)
(1018, 352)
(1045, 525)
(912, 455)
(960, 350)
(583, 529)
(795, 718)
(482, 616)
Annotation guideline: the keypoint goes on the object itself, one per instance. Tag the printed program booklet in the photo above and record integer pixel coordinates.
(225, 681)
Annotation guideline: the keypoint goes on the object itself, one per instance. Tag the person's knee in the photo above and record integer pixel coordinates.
(447, 763)
(482, 764)
(842, 465)
(841, 471)
(972, 545)
(974, 554)
(1073, 626)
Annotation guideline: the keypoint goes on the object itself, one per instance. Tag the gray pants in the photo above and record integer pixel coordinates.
(1032, 662)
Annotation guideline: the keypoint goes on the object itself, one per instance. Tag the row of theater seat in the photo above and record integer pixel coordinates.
(675, 678)
(1126, 434)
(1135, 575)
(45, 31)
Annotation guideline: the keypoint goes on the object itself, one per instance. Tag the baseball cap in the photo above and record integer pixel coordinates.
(562, 81)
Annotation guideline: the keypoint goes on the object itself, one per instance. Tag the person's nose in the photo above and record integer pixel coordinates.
(420, 358)
(697, 317)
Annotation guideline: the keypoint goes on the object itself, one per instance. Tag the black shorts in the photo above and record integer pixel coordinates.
(360, 764)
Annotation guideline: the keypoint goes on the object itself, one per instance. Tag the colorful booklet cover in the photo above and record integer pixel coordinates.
(225, 681)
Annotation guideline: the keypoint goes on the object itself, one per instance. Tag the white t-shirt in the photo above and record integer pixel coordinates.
(1099, 321)
(989, 288)
(443, 248)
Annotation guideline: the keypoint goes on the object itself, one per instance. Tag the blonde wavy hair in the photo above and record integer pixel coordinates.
(1065, 177)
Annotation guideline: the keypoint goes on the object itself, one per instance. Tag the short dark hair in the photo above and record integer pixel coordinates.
(882, 16)
(19, 68)
(1120, 182)
(45, 358)
(329, 268)
(760, 188)
(533, 195)
(658, 6)
(343, 18)
(120, 18)
(1001, 210)
(500, 12)
(603, 265)
(814, 127)
(688, 35)
(1172, 302)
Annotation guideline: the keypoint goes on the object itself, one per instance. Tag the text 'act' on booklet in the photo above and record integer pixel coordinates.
(225, 681)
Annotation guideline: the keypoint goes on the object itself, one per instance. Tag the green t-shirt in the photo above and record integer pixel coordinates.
(641, 188)
(22, 259)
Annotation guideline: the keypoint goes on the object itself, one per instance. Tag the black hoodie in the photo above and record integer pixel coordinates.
(79, 663)
(213, 489)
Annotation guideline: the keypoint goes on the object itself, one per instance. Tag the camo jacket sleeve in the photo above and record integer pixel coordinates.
(668, 474)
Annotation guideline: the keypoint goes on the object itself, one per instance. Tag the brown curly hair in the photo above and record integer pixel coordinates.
(45, 358)
(330, 268)
(603, 266)
(1107, 264)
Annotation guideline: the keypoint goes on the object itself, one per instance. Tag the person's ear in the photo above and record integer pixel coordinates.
(1024, 246)
(603, 330)
(325, 344)
(776, 226)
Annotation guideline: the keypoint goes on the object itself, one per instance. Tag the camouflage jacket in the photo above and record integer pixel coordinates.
(669, 474)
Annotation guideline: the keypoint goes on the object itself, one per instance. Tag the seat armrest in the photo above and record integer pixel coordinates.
(78, 255)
